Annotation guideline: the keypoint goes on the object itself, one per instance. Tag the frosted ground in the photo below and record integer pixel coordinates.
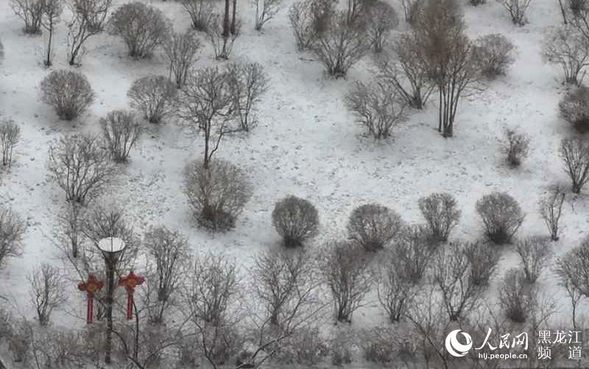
(306, 144)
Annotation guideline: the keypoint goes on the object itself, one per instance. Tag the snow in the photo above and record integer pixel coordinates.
(306, 144)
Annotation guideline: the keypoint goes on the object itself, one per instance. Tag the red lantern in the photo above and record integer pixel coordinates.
(130, 282)
(91, 286)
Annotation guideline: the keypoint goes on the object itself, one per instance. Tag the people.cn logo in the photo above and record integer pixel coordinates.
(455, 347)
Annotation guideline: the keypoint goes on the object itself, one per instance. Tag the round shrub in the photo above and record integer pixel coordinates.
(68, 92)
(517, 297)
(373, 226)
(501, 215)
(153, 96)
(296, 220)
(217, 193)
(441, 214)
(495, 54)
(574, 108)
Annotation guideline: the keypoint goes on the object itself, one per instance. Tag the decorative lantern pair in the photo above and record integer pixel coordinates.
(93, 285)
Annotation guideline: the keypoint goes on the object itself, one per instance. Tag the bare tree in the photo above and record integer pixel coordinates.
(341, 45)
(265, 10)
(153, 96)
(168, 250)
(575, 155)
(515, 147)
(248, 82)
(200, 12)
(494, 53)
(517, 10)
(483, 259)
(573, 267)
(534, 253)
(47, 291)
(217, 193)
(12, 229)
(141, 26)
(52, 10)
(121, 131)
(501, 215)
(88, 17)
(208, 106)
(382, 19)
(181, 51)
(413, 252)
(373, 226)
(441, 214)
(377, 106)
(516, 296)
(221, 40)
(70, 223)
(567, 47)
(9, 137)
(69, 92)
(551, 210)
(396, 288)
(565, 269)
(296, 220)
(407, 70)
(31, 12)
(345, 271)
(209, 296)
(80, 166)
(452, 275)
(286, 284)
(451, 57)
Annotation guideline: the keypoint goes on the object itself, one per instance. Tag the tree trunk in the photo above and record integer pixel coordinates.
(234, 18)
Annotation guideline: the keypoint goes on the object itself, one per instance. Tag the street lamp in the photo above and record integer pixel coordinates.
(111, 248)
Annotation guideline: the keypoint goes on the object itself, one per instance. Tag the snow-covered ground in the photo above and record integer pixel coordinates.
(306, 144)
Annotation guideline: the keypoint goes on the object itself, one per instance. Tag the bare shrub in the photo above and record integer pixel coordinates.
(221, 41)
(573, 267)
(121, 131)
(181, 51)
(574, 108)
(515, 147)
(568, 48)
(80, 166)
(265, 10)
(413, 252)
(378, 345)
(309, 20)
(534, 253)
(452, 275)
(373, 226)
(69, 93)
(345, 271)
(411, 9)
(47, 291)
(31, 12)
(516, 297)
(217, 193)
(483, 261)
(88, 20)
(142, 28)
(517, 10)
(200, 12)
(495, 54)
(551, 210)
(210, 293)
(575, 156)
(306, 347)
(153, 96)
(396, 287)
(248, 82)
(407, 70)
(168, 250)
(12, 229)
(441, 214)
(296, 220)
(9, 137)
(19, 342)
(70, 223)
(501, 216)
(577, 7)
(377, 106)
(285, 284)
(382, 19)
(207, 106)
(340, 46)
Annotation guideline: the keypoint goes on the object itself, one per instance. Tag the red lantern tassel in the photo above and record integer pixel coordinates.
(90, 310)
(129, 306)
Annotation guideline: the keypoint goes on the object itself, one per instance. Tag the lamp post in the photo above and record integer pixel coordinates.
(111, 248)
